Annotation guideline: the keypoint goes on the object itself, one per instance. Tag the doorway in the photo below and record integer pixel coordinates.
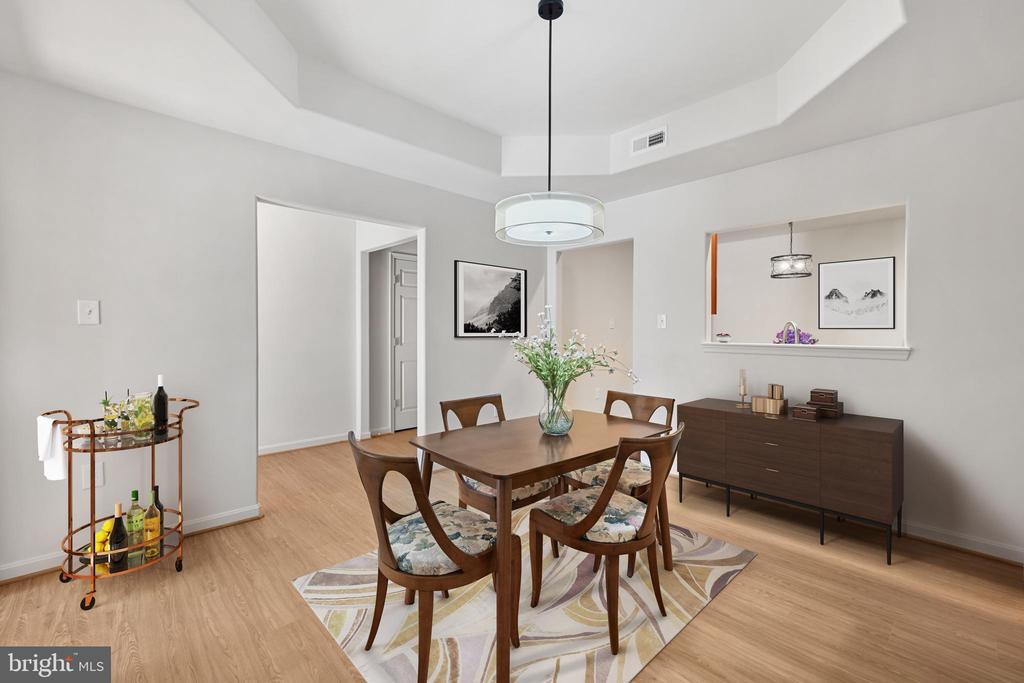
(404, 341)
(313, 324)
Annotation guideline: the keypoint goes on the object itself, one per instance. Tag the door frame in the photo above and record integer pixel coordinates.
(392, 396)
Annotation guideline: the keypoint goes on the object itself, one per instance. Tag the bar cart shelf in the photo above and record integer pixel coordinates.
(86, 437)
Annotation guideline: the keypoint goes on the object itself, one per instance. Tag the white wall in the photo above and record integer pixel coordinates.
(752, 307)
(595, 296)
(958, 393)
(157, 218)
(380, 294)
(306, 293)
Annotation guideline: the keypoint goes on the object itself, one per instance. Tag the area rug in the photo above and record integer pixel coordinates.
(565, 638)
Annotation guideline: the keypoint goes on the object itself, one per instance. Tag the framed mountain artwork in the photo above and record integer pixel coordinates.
(489, 300)
(857, 295)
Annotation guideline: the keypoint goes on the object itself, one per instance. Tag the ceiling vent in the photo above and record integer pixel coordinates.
(656, 138)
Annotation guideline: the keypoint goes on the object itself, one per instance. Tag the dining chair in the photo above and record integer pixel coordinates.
(436, 547)
(636, 476)
(477, 494)
(606, 522)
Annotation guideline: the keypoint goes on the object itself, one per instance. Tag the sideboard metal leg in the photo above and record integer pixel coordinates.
(680, 488)
(728, 501)
(899, 522)
(821, 528)
(888, 545)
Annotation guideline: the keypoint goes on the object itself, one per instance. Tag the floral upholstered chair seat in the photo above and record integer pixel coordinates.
(621, 521)
(414, 547)
(517, 494)
(635, 474)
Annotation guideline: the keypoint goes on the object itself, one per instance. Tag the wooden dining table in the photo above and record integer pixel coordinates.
(514, 453)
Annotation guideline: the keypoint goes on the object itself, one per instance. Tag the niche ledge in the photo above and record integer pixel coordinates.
(809, 350)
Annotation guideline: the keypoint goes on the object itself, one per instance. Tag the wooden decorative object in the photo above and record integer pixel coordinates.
(828, 410)
(804, 412)
(776, 391)
(769, 405)
(661, 451)
(825, 396)
(86, 436)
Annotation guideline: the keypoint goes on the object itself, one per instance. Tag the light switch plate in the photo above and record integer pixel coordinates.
(88, 312)
(662, 321)
(100, 479)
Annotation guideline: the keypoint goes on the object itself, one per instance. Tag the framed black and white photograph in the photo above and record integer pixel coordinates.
(857, 295)
(489, 300)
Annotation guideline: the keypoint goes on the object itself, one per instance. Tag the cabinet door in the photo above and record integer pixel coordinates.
(702, 447)
(857, 473)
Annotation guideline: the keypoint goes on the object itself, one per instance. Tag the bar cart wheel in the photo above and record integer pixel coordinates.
(177, 565)
(88, 602)
(63, 578)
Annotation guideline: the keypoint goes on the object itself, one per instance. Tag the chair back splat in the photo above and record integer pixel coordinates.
(641, 407)
(468, 409)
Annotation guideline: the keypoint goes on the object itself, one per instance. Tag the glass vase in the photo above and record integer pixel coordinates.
(555, 419)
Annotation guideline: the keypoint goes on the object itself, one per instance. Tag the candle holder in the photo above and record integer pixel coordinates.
(743, 404)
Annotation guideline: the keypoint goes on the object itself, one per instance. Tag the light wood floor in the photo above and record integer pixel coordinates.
(798, 612)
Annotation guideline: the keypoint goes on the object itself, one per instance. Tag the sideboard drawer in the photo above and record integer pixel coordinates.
(772, 456)
(773, 483)
(783, 432)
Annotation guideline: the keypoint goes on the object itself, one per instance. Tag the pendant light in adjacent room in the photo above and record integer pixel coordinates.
(791, 265)
(547, 219)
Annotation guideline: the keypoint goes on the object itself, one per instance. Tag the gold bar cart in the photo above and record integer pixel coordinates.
(81, 436)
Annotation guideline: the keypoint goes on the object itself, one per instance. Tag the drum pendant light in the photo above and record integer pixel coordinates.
(546, 219)
(791, 265)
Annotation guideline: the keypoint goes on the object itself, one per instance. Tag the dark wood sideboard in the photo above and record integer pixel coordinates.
(851, 466)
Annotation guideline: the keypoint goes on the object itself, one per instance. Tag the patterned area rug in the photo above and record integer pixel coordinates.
(565, 637)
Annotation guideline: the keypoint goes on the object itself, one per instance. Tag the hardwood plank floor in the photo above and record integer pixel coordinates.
(798, 612)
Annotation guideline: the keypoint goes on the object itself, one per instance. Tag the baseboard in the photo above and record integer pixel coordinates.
(42, 563)
(302, 443)
(953, 539)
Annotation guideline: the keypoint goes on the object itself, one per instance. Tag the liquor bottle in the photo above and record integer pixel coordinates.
(133, 523)
(118, 539)
(160, 507)
(160, 407)
(151, 529)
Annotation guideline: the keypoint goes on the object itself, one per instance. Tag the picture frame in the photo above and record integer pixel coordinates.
(490, 301)
(858, 294)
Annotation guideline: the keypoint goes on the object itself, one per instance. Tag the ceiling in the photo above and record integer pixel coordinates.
(405, 93)
(616, 64)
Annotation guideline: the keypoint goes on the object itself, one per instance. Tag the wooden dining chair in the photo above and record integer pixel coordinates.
(636, 476)
(436, 547)
(606, 522)
(477, 494)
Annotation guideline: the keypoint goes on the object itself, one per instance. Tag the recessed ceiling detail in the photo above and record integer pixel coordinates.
(403, 88)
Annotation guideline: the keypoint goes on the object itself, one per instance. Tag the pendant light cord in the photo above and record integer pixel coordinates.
(550, 25)
(791, 238)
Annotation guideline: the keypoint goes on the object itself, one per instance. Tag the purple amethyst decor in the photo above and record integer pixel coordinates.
(805, 338)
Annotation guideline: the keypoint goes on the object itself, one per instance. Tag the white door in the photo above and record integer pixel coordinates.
(403, 368)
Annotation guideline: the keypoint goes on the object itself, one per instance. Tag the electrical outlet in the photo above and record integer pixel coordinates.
(611, 323)
(597, 394)
(100, 480)
(88, 312)
(662, 321)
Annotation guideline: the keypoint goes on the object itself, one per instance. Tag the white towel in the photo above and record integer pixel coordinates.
(51, 449)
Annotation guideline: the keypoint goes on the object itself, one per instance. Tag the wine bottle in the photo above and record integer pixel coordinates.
(118, 539)
(151, 528)
(160, 507)
(160, 407)
(133, 523)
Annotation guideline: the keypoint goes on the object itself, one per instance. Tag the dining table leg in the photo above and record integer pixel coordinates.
(502, 644)
(426, 472)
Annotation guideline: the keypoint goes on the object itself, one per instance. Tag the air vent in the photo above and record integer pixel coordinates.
(643, 143)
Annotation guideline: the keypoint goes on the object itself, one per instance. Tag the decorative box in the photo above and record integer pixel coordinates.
(804, 412)
(776, 391)
(826, 396)
(769, 405)
(829, 410)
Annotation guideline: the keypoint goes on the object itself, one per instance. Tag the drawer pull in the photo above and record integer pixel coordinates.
(769, 443)
(771, 470)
